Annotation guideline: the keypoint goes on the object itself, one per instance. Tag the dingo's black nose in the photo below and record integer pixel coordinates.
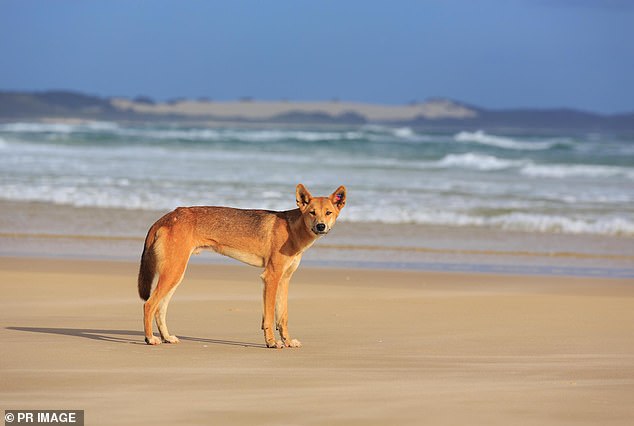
(320, 227)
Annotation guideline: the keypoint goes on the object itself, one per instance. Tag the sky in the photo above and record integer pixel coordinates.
(492, 54)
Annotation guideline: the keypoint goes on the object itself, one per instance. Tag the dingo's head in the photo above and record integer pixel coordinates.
(320, 213)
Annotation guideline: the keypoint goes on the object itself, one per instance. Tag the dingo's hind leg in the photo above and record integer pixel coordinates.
(171, 273)
(161, 313)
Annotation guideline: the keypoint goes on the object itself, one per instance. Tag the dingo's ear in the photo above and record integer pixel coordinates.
(302, 196)
(338, 198)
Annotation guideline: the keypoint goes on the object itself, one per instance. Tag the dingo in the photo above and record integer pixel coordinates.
(271, 240)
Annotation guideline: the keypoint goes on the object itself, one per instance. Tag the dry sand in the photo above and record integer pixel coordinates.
(380, 348)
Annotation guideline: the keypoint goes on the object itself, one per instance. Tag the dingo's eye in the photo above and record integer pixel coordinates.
(328, 213)
(312, 212)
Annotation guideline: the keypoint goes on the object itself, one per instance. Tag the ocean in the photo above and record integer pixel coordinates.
(564, 184)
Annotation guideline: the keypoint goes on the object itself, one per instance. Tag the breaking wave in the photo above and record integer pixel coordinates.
(478, 162)
(515, 221)
(563, 171)
(528, 167)
(27, 127)
(480, 137)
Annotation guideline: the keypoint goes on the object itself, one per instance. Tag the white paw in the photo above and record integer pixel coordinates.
(275, 344)
(171, 339)
(153, 340)
(294, 343)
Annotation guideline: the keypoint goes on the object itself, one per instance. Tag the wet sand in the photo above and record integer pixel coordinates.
(50, 230)
(380, 347)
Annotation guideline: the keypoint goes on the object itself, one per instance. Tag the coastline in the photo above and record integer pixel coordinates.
(43, 230)
(438, 113)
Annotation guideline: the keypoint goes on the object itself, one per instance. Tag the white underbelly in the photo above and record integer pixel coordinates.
(242, 256)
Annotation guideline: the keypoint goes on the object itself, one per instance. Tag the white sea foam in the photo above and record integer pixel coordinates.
(401, 132)
(483, 138)
(529, 222)
(27, 127)
(78, 195)
(102, 125)
(404, 132)
(281, 135)
(562, 224)
(475, 161)
(240, 135)
(562, 171)
(378, 133)
(37, 127)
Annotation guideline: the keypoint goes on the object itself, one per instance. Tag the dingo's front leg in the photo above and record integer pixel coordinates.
(282, 316)
(281, 307)
(271, 281)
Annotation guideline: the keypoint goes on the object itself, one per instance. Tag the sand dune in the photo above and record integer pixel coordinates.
(261, 110)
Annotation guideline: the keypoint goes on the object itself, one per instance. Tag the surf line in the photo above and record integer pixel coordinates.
(69, 236)
(352, 247)
(474, 251)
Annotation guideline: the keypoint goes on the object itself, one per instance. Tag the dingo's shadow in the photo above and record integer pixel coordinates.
(124, 336)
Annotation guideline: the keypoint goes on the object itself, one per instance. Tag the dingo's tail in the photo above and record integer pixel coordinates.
(147, 269)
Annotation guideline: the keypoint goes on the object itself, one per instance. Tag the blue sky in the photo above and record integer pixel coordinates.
(494, 54)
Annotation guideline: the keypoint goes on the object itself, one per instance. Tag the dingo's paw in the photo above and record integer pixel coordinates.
(294, 343)
(153, 340)
(275, 344)
(170, 339)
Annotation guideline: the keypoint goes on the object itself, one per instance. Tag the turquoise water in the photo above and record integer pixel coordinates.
(566, 183)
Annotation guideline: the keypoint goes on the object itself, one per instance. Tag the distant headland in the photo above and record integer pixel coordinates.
(434, 114)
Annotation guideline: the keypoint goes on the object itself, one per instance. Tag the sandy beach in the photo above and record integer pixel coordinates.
(380, 347)
(481, 272)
